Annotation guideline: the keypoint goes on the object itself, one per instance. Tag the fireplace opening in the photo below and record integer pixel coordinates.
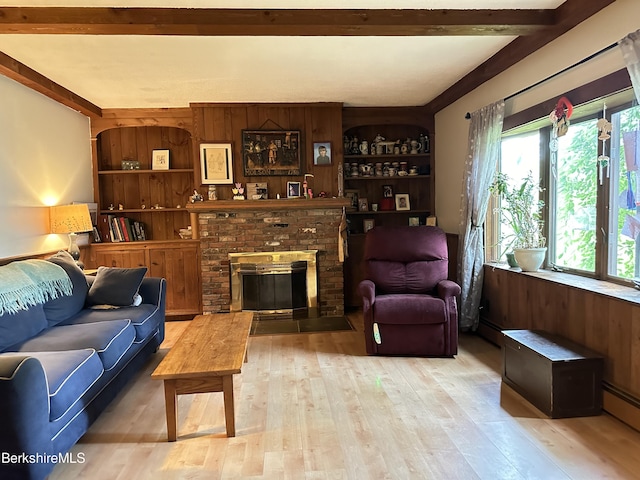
(274, 286)
(275, 283)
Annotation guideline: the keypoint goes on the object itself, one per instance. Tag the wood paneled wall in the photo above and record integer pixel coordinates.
(574, 308)
(320, 122)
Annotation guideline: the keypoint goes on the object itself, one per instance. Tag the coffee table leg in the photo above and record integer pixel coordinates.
(171, 402)
(227, 389)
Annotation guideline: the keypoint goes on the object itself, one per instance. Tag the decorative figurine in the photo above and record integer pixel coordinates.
(196, 197)
(238, 192)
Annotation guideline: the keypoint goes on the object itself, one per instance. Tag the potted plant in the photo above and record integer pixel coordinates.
(521, 211)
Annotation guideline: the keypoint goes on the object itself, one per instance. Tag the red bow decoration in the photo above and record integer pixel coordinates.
(564, 108)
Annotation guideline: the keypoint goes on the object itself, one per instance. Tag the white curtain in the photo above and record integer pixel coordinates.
(630, 46)
(485, 132)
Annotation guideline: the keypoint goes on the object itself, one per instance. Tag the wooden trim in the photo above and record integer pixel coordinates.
(568, 15)
(268, 205)
(614, 82)
(15, 70)
(621, 408)
(276, 22)
(143, 117)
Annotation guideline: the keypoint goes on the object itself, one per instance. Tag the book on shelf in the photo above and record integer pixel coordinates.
(124, 229)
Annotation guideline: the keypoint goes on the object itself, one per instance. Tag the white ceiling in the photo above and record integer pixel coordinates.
(172, 71)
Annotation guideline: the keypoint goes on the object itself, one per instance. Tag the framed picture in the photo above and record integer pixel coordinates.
(322, 153)
(160, 160)
(387, 191)
(368, 224)
(363, 204)
(353, 196)
(257, 191)
(402, 201)
(216, 163)
(271, 152)
(414, 221)
(293, 189)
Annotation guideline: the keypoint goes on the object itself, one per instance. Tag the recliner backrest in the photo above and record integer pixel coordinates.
(406, 259)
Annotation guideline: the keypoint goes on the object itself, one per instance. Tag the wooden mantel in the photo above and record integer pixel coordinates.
(261, 205)
(270, 204)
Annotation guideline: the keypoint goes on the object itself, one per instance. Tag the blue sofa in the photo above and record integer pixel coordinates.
(64, 360)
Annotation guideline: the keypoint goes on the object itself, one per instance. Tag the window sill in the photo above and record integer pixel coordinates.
(600, 287)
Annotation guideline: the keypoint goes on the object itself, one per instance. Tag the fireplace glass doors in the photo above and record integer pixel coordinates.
(279, 283)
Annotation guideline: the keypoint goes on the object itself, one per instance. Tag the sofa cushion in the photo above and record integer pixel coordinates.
(115, 286)
(409, 308)
(20, 326)
(110, 340)
(145, 318)
(65, 307)
(69, 375)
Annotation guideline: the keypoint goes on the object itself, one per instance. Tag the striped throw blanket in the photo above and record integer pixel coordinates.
(31, 282)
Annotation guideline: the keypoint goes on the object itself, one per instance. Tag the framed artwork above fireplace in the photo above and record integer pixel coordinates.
(271, 152)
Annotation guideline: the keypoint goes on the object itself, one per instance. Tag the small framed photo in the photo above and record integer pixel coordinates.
(363, 204)
(387, 191)
(432, 221)
(402, 201)
(322, 153)
(257, 191)
(160, 160)
(216, 163)
(352, 195)
(414, 221)
(293, 189)
(368, 224)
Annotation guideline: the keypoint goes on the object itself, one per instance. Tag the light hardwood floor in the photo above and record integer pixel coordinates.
(314, 406)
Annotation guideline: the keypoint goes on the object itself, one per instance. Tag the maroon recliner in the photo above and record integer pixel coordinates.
(409, 306)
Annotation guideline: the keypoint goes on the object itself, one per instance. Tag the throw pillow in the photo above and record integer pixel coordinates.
(65, 307)
(115, 286)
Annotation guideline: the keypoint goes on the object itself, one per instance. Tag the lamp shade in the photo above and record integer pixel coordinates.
(70, 219)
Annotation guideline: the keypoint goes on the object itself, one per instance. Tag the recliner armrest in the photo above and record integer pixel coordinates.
(447, 288)
(367, 290)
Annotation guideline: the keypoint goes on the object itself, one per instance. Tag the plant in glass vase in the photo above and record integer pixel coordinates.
(522, 212)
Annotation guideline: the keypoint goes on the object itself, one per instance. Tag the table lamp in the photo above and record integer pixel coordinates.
(71, 219)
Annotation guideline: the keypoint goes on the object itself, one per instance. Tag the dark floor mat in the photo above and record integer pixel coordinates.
(303, 325)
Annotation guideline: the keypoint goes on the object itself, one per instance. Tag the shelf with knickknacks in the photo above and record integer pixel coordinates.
(392, 158)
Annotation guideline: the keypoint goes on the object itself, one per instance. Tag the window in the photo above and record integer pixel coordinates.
(591, 187)
(624, 211)
(573, 198)
(520, 156)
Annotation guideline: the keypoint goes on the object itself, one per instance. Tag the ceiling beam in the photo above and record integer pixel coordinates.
(276, 22)
(567, 16)
(19, 72)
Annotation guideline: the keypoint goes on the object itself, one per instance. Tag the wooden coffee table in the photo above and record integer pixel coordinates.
(204, 359)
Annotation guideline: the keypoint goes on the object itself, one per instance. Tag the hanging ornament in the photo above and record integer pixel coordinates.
(560, 116)
(604, 129)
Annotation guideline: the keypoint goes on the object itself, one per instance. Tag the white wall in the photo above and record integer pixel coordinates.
(45, 159)
(601, 30)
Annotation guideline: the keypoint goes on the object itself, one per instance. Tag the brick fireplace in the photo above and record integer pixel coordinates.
(246, 226)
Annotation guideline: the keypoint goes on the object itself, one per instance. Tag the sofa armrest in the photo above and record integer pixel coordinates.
(24, 423)
(447, 288)
(153, 290)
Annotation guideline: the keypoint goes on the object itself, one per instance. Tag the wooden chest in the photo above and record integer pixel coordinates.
(559, 377)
